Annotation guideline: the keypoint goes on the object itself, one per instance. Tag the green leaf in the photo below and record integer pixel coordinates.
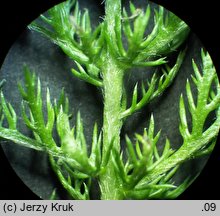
(62, 102)
(179, 190)
(156, 187)
(156, 62)
(50, 114)
(171, 34)
(190, 97)
(20, 139)
(131, 151)
(183, 121)
(86, 77)
(199, 139)
(28, 122)
(74, 192)
(168, 77)
(9, 113)
(95, 154)
(119, 165)
(63, 126)
(80, 138)
(106, 156)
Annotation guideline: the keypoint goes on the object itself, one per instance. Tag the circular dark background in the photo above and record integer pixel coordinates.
(37, 52)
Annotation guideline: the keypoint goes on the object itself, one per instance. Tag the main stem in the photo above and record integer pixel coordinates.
(112, 91)
(113, 82)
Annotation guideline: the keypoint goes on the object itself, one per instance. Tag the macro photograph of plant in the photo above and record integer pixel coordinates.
(112, 100)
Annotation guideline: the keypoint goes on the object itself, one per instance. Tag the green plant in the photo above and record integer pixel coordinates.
(102, 59)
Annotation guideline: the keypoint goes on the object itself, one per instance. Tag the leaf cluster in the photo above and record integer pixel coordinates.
(70, 159)
(71, 30)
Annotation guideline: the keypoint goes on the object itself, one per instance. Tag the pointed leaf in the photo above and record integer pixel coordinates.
(9, 113)
(196, 71)
(29, 123)
(134, 98)
(190, 97)
(50, 113)
(183, 120)
(131, 151)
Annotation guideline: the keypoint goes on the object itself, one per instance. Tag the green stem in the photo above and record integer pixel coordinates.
(113, 24)
(112, 75)
(113, 88)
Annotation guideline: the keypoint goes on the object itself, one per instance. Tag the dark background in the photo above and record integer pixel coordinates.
(202, 18)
